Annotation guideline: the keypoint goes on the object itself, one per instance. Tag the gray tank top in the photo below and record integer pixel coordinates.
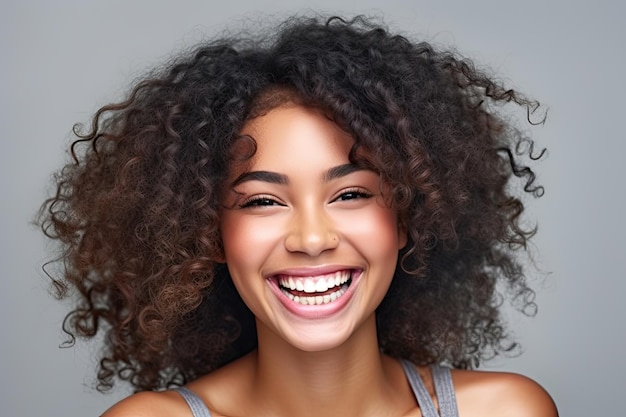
(441, 377)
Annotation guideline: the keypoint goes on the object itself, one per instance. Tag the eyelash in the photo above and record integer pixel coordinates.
(354, 193)
(259, 201)
(266, 201)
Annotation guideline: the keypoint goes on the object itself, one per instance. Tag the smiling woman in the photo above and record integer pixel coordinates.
(319, 218)
(324, 220)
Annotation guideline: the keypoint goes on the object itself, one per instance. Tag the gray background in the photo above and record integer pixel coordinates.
(62, 60)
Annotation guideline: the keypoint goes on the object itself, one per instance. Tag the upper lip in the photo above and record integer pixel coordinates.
(311, 271)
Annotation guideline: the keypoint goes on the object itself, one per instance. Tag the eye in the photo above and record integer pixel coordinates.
(259, 201)
(353, 194)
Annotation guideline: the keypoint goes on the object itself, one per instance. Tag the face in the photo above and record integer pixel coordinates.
(309, 241)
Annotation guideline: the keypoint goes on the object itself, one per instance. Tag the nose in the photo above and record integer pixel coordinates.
(311, 232)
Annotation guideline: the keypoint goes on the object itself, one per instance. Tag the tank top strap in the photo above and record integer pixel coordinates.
(195, 403)
(445, 391)
(443, 388)
(419, 390)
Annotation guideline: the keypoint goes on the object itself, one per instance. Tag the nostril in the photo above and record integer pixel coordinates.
(311, 243)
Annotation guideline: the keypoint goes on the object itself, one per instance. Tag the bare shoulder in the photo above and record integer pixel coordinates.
(501, 394)
(150, 404)
(222, 389)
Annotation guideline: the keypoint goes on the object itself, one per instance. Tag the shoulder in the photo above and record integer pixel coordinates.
(501, 394)
(222, 389)
(150, 404)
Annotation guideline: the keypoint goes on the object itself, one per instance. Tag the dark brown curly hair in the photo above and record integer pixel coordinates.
(137, 210)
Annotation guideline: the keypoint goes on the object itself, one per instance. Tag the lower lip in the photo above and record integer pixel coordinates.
(316, 311)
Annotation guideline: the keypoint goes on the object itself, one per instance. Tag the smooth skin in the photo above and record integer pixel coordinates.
(299, 208)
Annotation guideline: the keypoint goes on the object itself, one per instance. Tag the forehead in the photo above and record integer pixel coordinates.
(293, 134)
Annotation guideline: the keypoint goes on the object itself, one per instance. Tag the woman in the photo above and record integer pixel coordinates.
(303, 225)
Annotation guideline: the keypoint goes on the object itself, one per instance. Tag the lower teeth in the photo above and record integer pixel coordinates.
(316, 299)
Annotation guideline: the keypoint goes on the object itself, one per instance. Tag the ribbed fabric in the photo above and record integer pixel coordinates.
(443, 388)
(445, 391)
(198, 408)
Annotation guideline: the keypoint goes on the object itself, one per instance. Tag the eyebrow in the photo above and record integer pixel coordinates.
(341, 171)
(265, 176)
(281, 179)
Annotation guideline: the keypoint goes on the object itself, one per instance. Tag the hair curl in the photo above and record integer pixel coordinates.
(137, 210)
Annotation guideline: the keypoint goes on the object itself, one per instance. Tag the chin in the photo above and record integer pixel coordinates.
(322, 335)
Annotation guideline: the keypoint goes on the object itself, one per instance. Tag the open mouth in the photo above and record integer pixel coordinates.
(317, 290)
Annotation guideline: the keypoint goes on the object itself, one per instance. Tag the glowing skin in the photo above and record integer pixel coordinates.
(309, 242)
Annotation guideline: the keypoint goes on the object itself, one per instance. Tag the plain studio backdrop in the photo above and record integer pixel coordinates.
(61, 60)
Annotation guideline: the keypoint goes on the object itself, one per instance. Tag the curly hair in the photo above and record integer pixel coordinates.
(137, 210)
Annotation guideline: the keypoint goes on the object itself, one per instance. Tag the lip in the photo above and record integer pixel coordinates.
(312, 271)
(315, 311)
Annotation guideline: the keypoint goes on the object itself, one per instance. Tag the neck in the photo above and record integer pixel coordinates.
(351, 379)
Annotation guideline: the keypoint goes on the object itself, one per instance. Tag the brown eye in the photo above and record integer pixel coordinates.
(353, 195)
(260, 202)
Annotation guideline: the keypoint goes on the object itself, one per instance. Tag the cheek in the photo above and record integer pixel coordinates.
(375, 234)
(247, 241)
(243, 246)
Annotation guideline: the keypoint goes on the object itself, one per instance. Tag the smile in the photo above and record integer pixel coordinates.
(318, 290)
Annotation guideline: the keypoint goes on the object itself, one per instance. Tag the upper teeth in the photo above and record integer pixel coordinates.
(315, 284)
